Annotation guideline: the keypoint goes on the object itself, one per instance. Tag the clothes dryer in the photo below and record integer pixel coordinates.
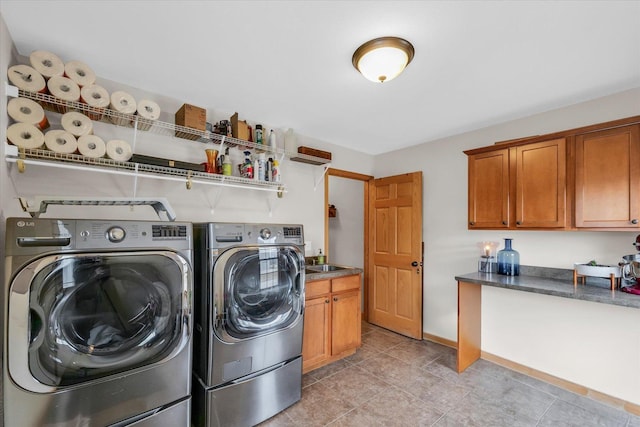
(249, 293)
(98, 325)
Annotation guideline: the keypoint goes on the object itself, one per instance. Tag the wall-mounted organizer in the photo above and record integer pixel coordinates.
(41, 157)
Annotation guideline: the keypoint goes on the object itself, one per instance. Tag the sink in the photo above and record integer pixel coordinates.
(323, 268)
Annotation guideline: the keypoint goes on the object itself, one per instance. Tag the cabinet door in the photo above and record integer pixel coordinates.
(345, 321)
(541, 184)
(489, 190)
(608, 178)
(316, 341)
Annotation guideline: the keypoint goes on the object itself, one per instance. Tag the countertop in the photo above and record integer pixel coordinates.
(540, 281)
(326, 275)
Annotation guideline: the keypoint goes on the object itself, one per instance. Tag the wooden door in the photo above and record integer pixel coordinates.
(489, 190)
(608, 178)
(316, 341)
(541, 184)
(345, 321)
(395, 254)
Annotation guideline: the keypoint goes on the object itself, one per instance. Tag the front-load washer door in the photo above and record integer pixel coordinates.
(78, 318)
(257, 290)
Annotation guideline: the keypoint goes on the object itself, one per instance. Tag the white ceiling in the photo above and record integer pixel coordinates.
(288, 63)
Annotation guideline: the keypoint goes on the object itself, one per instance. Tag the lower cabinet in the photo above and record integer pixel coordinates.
(332, 328)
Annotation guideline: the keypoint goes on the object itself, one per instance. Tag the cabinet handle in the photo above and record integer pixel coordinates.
(326, 301)
(335, 298)
(518, 223)
(504, 222)
(634, 221)
(472, 223)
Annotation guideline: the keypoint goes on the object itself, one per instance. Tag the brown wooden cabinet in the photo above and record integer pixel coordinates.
(607, 182)
(332, 328)
(518, 187)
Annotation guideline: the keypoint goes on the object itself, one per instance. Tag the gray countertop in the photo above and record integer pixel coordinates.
(326, 275)
(559, 286)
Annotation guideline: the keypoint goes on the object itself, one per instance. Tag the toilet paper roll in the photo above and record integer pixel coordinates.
(148, 112)
(77, 124)
(97, 98)
(80, 73)
(27, 111)
(26, 78)
(64, 89)
(124, 104)
(60, 142)
(91, 146)
(46, 63)
(118, 150)
(25, 135)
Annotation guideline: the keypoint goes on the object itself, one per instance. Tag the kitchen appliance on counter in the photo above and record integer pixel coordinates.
(631, 270)
(249, 293)
(97, 318)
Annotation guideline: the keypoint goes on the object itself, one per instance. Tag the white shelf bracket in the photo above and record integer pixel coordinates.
(324, 171)
(270, 206)
(11, 90)
(216, 199)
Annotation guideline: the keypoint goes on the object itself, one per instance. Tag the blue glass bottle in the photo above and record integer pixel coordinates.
(508, 260)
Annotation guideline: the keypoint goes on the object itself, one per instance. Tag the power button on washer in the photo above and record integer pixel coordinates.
(116, 234)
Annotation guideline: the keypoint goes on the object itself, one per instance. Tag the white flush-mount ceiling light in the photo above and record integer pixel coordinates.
(383, 59)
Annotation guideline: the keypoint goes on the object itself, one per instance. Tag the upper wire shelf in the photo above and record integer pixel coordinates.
(159, 127)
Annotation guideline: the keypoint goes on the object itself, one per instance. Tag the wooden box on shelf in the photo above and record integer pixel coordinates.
(239, 128)
(192, 117)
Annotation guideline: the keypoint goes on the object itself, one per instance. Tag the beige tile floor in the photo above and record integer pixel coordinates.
(397, 381)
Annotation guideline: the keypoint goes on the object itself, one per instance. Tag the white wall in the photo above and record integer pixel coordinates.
(450, 249)
(346, 229)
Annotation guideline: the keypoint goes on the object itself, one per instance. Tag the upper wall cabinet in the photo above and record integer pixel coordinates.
(489, 189)
(608, 178)
(586, 178)
(519, 187)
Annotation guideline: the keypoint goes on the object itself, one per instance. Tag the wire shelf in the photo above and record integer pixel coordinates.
(107, 115)
(50, 158)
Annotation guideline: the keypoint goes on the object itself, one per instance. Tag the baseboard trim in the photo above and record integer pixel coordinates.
(440, 340)
(562, 383)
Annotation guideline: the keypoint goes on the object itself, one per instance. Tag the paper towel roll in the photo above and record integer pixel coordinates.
(124, 103)
(77, 124)
(118, 150)
(46, 63)
(91, 146)
(80, 73)
(64, 89)
(60, 142)
(25, 135)
(26, 78)
(148, 112)
(97, 98)
(27, 111)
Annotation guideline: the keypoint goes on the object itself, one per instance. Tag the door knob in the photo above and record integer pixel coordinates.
(634, 221)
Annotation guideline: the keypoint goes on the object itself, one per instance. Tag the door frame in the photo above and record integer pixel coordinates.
(339, 173)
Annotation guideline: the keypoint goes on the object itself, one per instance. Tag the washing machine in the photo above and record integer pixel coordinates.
(97, 323)
(249, 293)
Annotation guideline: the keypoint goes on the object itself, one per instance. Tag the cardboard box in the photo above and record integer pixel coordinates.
(192, 117)
(239, 128)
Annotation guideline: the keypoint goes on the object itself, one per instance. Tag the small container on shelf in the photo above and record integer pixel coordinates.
(487, 263)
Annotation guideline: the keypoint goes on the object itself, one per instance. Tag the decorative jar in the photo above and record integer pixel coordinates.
(508, 260)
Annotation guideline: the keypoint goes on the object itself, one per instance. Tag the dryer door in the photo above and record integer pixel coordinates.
(257, 290)
(77, 318)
